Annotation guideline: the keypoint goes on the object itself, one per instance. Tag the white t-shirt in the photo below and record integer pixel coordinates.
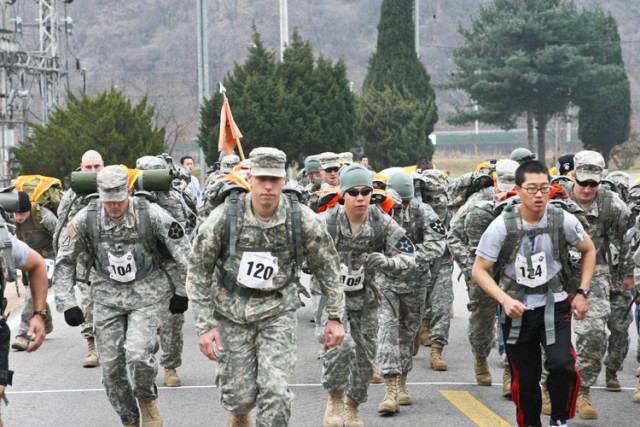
(493, 239)
(20, 251)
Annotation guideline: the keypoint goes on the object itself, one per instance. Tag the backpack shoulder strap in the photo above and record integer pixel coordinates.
(295, 213)
(233, 210)
(416, 212)
(332, 222)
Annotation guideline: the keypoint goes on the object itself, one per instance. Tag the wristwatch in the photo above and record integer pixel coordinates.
(337, 319)
(41, 313)
(584, 292)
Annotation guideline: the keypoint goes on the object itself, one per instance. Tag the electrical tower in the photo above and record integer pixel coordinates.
(28, 58)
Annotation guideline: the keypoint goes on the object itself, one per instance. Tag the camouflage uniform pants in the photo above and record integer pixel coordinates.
(440, 297)
(27, 313)
(86, 303)
(255, 366)
(399, 318)
(126, 338)
(618, 324)
(171, 340)
(591, 336)
(349, 367)
(482, 317)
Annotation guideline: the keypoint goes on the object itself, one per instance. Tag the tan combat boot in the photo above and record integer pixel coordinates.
(351, 416)
(611, 379)
(150, 414)
(334, 410)
(506, 382)
(390, 403)
(424, 333)
(546, 401)
(404, 398)
(437, 361)
(376, 378)
(171, 378)
(416, 344)
(239, 420)
(636, 395)
(483, 375)
(92, 359)
(584, 406)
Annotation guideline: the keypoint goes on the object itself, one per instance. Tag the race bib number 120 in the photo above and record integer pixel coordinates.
(257, 270)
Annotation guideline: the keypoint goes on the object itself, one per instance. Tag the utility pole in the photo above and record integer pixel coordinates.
(284, 28)
(19, 67)
(416, 24)
(203, 69)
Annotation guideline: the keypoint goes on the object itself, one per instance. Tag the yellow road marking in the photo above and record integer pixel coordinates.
(474, 409)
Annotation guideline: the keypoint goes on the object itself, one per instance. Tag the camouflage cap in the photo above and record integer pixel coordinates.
(506, 174)
(228, 163)
(588, 165)
(329, 160)
(146, 163)
(619, 178)
(346, 158)
(113, 183)
(267, 161)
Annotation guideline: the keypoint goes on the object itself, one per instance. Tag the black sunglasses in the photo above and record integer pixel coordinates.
(587, 184)
(331, 170)
(355, 193)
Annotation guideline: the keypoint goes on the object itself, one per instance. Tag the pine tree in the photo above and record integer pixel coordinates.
(107, 122)
(395, 131)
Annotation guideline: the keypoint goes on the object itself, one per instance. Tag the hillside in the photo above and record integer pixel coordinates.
(149, 46)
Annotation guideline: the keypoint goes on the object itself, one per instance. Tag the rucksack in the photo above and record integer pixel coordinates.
(468, 184)
(43, 190)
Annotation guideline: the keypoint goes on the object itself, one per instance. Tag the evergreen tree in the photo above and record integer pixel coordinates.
(605, 104)
(395, 71)
(108, 123)
(519, 56)
(299, 106)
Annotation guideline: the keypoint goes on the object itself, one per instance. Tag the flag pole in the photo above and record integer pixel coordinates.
(223, 91)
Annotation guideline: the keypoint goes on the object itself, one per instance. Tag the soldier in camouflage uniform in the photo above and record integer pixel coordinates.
(119, 236)
(35, 226)
(403, 296)
(467, 226)
(314, 174)
(330, 170)
(243, 289)
(369, 242)
(609, 219)
(69, 206)
(171, 338)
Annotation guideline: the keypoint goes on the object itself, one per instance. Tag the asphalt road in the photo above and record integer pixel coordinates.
(52, 389)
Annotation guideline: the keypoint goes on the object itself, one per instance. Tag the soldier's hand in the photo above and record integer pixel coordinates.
(627, 283)
(333, 333)
(74, 316)
(35, 333)
(178, 304)
(579, 306)
(514, 308)
(210, 344)
(377, 261)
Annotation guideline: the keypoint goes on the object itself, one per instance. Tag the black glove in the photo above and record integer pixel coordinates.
(178, 304)
(74, 316)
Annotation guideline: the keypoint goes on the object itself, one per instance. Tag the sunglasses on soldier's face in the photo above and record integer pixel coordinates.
(355, 193)
(587, 183)
(331, 170)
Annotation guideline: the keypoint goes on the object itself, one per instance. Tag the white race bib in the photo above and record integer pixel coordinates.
(49, 263)
(615, 255)
(535, 278)
(122, 268)
(257, 270)
(352, 280)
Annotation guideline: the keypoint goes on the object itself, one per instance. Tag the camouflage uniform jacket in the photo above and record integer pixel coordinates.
(429, 240)
(354, 249)
(615, 225)
(211, 258)
(118, 238)
(467, 226)
(39, 237)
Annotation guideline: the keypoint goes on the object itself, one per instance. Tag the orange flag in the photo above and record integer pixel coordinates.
(229, 133)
